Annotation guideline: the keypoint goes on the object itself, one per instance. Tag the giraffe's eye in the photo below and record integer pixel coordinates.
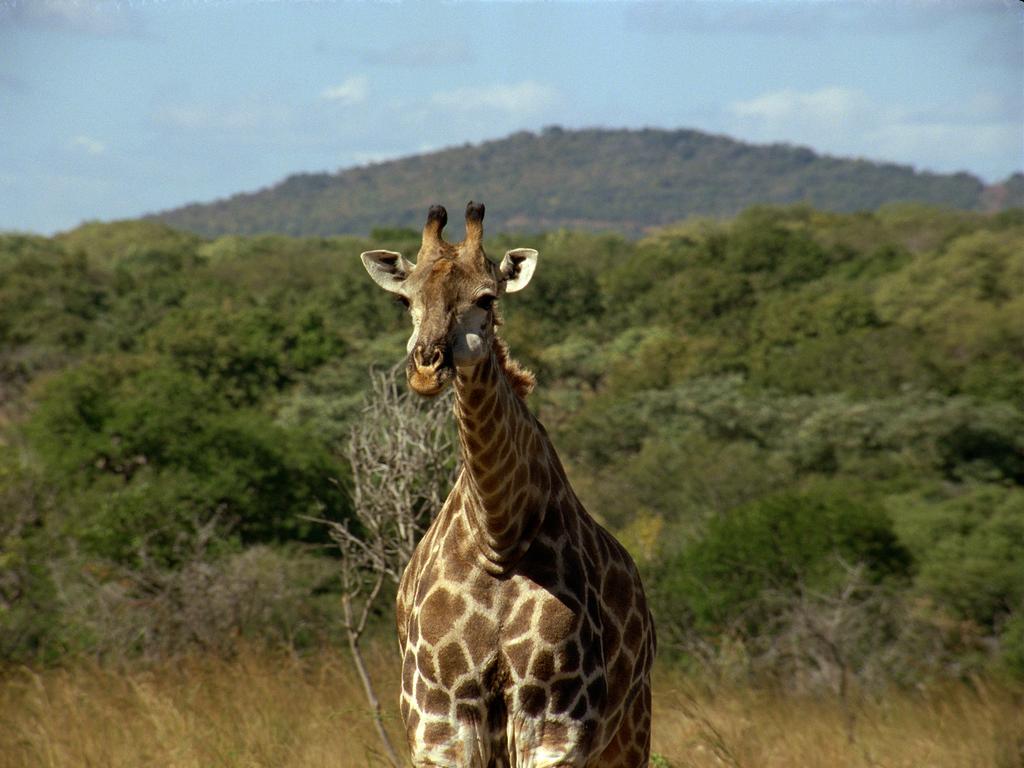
(485, 302)
(402, 300)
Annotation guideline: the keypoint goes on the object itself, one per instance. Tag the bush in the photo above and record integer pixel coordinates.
(49, 301)
(781, 543)
(763, 241)
(143, 451)
(247, 353)
(205, 602)
(968, 547)
(30, 614)
(1011, 646)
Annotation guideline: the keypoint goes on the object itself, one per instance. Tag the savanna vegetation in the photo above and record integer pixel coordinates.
(596, 179)
(807, 427)
(260, 709)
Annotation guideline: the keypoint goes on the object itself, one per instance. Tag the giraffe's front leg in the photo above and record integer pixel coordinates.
(617, 740)
(547, 742)
(556, 716)
(630, 746)
(445, 731)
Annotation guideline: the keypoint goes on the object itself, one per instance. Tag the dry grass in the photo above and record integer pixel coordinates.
(954, 726)
(263, 710)
(255, 710)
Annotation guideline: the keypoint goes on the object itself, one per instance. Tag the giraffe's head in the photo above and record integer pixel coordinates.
(450, 292)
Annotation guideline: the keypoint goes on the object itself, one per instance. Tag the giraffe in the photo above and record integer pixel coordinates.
(525, 636)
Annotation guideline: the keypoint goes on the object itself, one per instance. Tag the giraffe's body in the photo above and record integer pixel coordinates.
(525, 636)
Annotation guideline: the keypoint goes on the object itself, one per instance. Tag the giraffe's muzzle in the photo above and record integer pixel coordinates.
(429, 369)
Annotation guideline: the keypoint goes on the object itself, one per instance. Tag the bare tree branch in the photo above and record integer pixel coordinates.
(403, 459)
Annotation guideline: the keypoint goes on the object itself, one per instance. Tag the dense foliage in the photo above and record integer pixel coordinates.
(599, 180)
(808, 427)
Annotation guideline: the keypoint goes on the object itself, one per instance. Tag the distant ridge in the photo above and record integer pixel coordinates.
(622, 180)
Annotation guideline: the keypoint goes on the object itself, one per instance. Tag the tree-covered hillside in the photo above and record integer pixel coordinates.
(808, 427)
(598, 180)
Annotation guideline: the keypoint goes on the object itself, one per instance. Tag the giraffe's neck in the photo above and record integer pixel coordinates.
(510, 471)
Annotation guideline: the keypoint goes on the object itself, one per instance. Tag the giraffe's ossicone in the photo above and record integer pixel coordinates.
(525, 636)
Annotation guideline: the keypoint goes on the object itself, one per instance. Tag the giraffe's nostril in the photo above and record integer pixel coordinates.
(430, 359)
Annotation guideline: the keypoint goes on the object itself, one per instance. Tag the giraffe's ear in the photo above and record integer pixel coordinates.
(517, 268)
(388, 269)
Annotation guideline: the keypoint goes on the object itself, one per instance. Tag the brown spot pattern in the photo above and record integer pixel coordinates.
(478, 637)
(557, 621)
(543, 666)
(438, 613)
(437, 701)
(520, 623)
(452, 663)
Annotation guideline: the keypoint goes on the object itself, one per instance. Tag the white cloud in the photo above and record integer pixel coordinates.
(518, 98)
(238, 117)
(826, 104)
(967, 142)
(974, 133)
(351, 91)
(371, 157)
(89, 145)
(198, 117)
(808, 17)
(104, 18)
(420, 54)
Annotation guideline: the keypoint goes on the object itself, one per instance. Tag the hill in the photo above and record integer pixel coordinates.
(621, 180)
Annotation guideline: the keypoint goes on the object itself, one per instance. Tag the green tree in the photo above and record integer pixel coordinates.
(780, 543)
(148, 451)
(968, 545)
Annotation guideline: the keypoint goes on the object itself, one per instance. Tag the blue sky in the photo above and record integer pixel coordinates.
(114, 109)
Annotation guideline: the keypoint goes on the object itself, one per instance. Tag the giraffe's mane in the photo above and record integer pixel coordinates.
(521, 379)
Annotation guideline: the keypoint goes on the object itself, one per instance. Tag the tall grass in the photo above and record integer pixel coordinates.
(261, 709)
(955, 725)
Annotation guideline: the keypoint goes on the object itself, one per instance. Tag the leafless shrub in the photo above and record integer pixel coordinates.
(209, 602)
(852, 639)
(402, 454)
